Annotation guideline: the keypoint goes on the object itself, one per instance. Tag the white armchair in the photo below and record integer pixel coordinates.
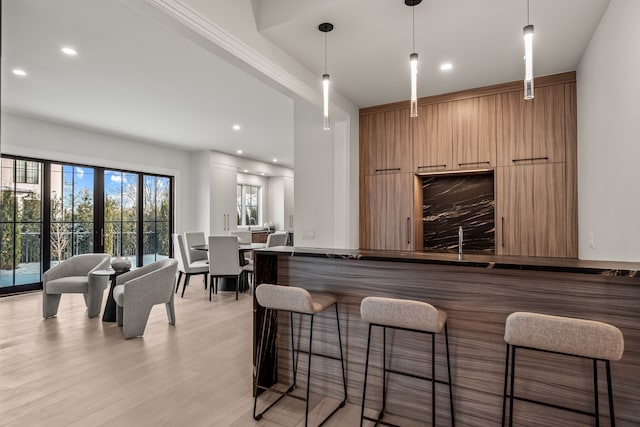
(137, 291)
(74, 276)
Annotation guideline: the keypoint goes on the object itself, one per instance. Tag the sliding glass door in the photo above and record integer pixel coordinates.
(20, 223)
(85, 209)
(121, 214)
(71, 211)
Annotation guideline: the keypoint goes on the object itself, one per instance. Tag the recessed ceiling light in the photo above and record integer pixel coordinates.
(236, 127)
(19, 72)
(446, 66)
(246, 170)
(239, 151)
(262, 173)
(275, 160)
(69, 51)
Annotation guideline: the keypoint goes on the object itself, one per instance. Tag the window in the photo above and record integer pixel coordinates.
(20, 226)
(85, 209)
(27, 172)
(156, 218)
(248, 204)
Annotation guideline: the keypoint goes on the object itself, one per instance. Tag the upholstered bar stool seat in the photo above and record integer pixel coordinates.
(409, 315)
(295, 300)
(562, 335)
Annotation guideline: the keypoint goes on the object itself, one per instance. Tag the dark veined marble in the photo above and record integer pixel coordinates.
(453, 201)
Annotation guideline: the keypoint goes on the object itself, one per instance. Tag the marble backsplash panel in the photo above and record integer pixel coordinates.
(460, 200)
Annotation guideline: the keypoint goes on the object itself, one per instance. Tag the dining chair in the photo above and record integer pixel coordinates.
(245, 236)
(185, 267)
(279, 238)
(224, 261)
(191, 239)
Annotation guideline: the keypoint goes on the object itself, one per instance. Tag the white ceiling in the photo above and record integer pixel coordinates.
(369, 47)
(138, 78)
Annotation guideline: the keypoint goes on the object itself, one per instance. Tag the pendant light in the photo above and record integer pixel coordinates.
(527, 32)
(325, 28)
(413, 61)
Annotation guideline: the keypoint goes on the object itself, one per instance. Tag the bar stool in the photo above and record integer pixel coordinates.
(561, 335)
(295, 300)
(407, 315)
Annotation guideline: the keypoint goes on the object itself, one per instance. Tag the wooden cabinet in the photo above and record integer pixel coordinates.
(531, 206)
(474, 132)
(384, 142)
(388, 212)
(531, 131)
(531, 145)
(433, 138)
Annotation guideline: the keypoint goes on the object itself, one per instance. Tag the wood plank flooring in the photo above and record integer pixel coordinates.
(75, 371)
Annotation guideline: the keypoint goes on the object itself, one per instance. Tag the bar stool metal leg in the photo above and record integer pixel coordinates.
(366, 371)
(595, 391)
(610, 393)
(446, 341)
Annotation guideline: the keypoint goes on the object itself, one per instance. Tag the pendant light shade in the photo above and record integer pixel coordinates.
(413, 61)
(326, 124)
(527, 33)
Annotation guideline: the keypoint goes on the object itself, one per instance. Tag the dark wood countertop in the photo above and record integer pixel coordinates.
(605, 268)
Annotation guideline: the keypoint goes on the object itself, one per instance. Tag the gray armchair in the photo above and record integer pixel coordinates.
(137, 291)
(74, 276)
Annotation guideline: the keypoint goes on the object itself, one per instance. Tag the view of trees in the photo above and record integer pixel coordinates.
(72, 222)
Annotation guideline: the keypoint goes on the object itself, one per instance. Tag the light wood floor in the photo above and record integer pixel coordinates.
(74, 371)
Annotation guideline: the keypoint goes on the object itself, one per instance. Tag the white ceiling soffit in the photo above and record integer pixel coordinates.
(137, 78)
(368, 50)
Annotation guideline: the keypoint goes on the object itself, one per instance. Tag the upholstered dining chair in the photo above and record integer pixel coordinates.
(244, 236)
(185, 267)
(74, 276)
(191, 239)
(279, 238)
(137, 291)
(224, 261)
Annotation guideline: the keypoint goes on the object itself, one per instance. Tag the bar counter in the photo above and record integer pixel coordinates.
(478, 292)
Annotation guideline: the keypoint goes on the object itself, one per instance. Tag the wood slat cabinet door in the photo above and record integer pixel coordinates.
(384, 142)
(388, 218)
(474, 132)
(531, 210)
(548, 142)
(549, 210)
(514, 208)
(531, 131)
(433, 138)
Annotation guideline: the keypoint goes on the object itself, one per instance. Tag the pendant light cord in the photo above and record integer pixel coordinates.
(325, 52)
(413, 26)
(528, 21)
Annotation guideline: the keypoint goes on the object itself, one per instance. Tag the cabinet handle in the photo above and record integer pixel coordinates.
(408, 230)
(387, 170)
(474, 163)
(102, 238)
(503, 232)
(432, 166)
(530, 159)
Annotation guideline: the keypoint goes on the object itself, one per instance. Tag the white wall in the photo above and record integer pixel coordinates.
(29, 137)
(608, 83)
(315, 176)
(230, 26)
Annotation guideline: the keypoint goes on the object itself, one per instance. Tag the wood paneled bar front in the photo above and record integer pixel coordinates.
(478, 293)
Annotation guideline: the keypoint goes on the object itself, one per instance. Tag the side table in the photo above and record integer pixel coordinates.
(109, 314)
